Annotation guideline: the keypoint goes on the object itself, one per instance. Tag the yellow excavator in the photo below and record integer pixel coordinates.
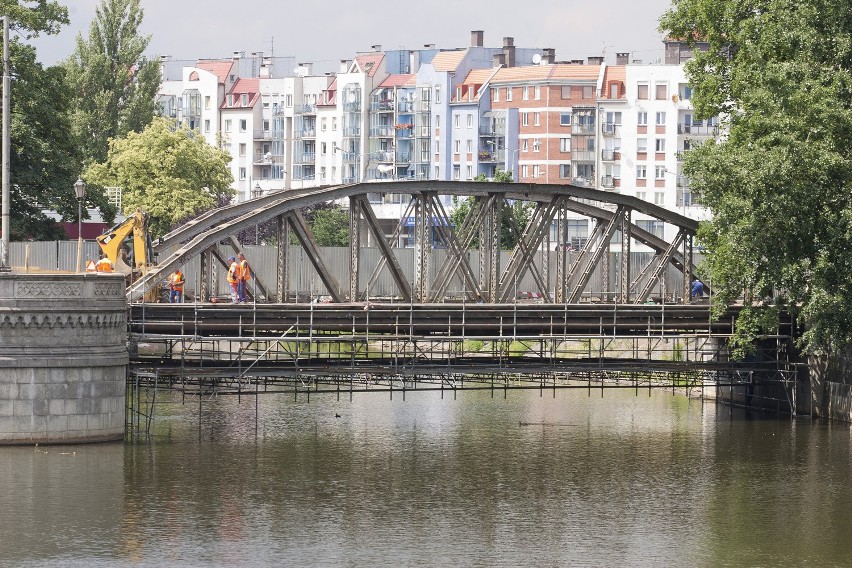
(139, 257)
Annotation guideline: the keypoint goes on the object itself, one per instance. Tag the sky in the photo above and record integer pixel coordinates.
(326, 31)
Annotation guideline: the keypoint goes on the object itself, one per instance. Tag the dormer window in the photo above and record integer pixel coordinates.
(244, 99)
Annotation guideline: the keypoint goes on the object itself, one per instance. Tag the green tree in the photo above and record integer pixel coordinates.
(44, 163)
(330, 226)
(115, 86)
(780, 183)
(167, 170)
(519, 212)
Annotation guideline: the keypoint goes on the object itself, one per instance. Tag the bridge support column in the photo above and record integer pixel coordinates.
(283, 231)
(422, 247)
(625, 258)
(354, 247)
(205, 276)
(63, 358)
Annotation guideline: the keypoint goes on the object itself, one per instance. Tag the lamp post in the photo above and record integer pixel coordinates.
(80, 193)
(5, 205)
(515, 173)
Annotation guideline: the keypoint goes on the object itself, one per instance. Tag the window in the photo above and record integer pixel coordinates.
(470, 172)
(526, 91)
(322, 174)
(613, 90)
(437, 172)
(588, 92)
(640, 195)
(266, 126)
(469, 146)
(243, 125)
(536, 170)
(525, 171)
(437, 94)
(659, 198)
(206, 126)
(684, 91)
(206, 103)
(660, 172)
(525, 120)
(661, 119)
(613, 118)
(288, 100)
(652, 226)
(564, 119)
(457, 119)
(495, 95)
(469, 120)
(660, 145)
(227, 126)
(242, 149)
(457, 146)
(642, 91)
(564, 144)
(536, 145)
(641, 172)
(537, 94)
(642, 118)
(566, 91)
(242, 173)
(641, 145)
(333, 123)
(525, 145)
(244, 99)
(323, 148)
(536, 119)
(456, 172)
(565, 171)
(508, 93)
(323, 121)
(661, 91)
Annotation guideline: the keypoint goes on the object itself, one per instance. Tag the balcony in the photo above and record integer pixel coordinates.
(262, 159)
(305, 109)
(307, 158)
(406, 107)
(607, 182)
(583, 129)
(382, 156)
(382, 106)
(608, 155)
(308, 133)
(263, 135)
(697, 129)
(486, 156)
(351, 131)
(403, 157)
(424, 106)
(682, 182)
(352, 107)
(610, 129)
(382, 131)
(404, 130)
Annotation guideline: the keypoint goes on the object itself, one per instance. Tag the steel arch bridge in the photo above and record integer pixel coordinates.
(489, 282)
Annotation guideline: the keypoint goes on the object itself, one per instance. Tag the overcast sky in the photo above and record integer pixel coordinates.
(325, 31)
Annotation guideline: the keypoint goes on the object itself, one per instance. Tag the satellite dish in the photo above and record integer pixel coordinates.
(536, 59)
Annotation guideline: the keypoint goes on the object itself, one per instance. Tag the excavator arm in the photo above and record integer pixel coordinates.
(113, 239)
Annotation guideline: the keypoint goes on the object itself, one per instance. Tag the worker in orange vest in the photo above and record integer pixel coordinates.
(176, 282)
(245, 276)
(234, 278)
(104, 264)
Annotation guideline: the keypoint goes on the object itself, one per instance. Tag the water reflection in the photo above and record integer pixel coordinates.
(532, 479)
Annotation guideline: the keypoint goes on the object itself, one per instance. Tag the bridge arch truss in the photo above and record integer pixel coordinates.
(614, 230)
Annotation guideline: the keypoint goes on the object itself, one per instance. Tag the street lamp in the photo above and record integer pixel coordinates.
(80, 193)
(257, 191)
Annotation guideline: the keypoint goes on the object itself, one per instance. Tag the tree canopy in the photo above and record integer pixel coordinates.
(518, 213)
(779, 184)
(115, 86)
(167, 170)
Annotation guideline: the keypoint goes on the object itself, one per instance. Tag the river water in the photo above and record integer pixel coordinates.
(530, 480)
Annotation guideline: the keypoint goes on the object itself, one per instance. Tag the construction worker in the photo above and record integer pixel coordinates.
(245, 276)
(104, 264)
(176, 282)
(234, 278)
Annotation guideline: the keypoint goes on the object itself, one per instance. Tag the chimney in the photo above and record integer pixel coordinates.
(577, 61)
(548, 55)
(164, 58)
(344, 65)
(306, 69)
(596, 59)
(622, 58)
(499, 59)
(237, 55)
(429, 46)
(377, 47)
(476, 38)
(509, 51)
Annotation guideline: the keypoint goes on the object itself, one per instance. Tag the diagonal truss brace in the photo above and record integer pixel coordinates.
(595, 256)
(528, 244)
(456, 247)
(387, 253)
(306, 239)
(663, 261)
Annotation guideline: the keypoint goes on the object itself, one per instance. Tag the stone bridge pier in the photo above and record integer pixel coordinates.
(63, 358)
